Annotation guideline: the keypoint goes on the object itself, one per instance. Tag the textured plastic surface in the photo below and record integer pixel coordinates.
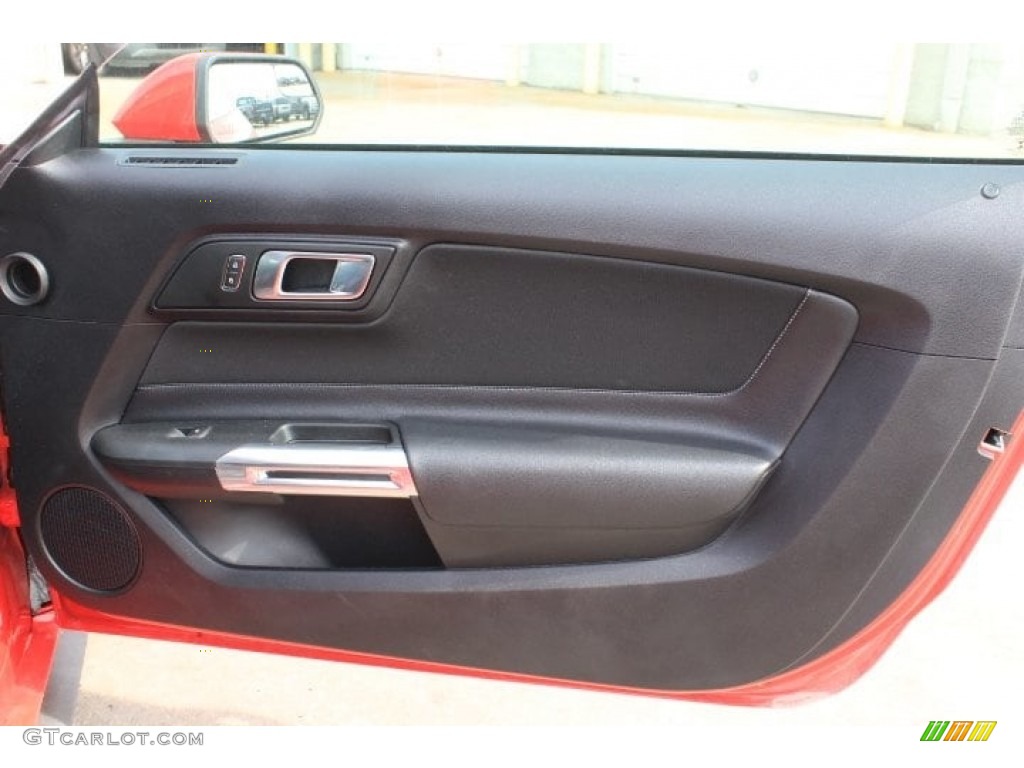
(520, 496)
(828, 673)
(493, 317)
(302, 532)
(931, 267)
(865, 231)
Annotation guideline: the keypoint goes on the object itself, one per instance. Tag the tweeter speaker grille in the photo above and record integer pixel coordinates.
(90, 538)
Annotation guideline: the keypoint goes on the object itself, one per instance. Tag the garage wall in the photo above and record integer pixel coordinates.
(844, 78)
(481, 61)
(812, 76)
(949, 88)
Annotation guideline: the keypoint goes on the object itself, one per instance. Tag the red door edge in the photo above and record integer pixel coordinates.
(27, 642)
(827, 674)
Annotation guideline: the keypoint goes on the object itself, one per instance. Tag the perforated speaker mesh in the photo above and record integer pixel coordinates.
(91, 539)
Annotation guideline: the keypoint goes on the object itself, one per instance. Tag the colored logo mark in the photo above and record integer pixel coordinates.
(958, 730)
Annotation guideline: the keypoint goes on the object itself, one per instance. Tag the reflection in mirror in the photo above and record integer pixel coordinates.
(259, 100)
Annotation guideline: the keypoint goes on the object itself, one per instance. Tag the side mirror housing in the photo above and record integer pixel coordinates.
(223, 98)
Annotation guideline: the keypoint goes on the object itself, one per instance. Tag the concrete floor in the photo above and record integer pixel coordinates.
(959, 659)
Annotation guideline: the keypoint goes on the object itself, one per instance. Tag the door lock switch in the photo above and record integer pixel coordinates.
(231, 277)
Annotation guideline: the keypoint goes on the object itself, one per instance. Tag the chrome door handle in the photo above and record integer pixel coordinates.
(318, 470)
(311, 276)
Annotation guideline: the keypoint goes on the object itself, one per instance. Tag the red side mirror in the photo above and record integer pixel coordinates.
(222, 98)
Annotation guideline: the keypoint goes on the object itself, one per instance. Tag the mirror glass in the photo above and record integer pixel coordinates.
(258, 101)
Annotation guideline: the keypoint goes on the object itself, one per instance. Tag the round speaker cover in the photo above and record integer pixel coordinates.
(90, 539)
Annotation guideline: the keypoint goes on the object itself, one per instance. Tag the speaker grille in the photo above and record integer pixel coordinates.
(91, 539)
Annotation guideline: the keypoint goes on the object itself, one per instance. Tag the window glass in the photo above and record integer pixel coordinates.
(835, 97)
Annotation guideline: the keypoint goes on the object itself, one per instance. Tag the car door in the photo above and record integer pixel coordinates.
(674, 422)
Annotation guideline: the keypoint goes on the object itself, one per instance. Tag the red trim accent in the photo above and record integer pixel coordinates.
(163, 106)
(8, 500)
(827, 674)
(26, 642)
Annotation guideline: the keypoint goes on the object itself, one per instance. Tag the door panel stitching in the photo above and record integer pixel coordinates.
(470, 387)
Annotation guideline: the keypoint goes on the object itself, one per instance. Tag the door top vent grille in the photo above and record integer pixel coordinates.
(179, 161)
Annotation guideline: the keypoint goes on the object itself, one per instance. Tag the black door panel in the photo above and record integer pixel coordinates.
(528, 607)
(764, 411)
(864, 231)
(724, 408)
(470, 316)
(541, 474)
(313, 533)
